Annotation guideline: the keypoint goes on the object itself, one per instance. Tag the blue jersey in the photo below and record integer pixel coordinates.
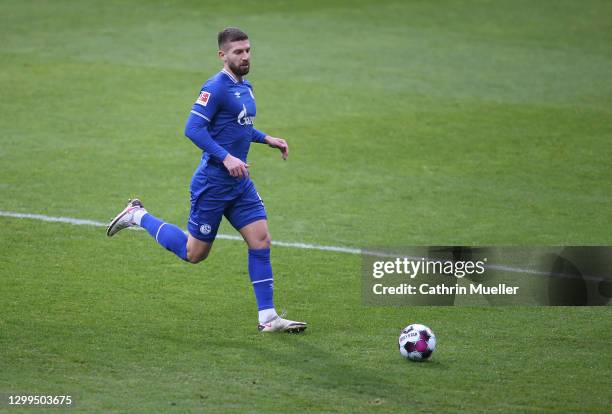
(221, 122)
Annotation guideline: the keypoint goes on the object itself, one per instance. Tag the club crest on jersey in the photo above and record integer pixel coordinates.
(205, 229)
(203, 98)
(243, 119)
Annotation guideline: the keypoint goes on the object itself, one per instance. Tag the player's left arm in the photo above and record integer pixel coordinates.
(261, 138)
(273, 142)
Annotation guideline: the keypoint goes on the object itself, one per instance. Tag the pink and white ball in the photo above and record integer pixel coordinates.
(417, 342)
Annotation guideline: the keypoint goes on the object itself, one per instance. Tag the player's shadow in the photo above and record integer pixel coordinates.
(330, 370)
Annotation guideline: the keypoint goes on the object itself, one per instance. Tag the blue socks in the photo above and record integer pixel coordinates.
(260, 271)
(168, 235)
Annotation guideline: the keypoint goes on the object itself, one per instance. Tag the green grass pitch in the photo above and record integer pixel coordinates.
(409, 123)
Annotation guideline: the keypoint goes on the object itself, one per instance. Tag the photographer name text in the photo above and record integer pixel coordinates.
(411, 268)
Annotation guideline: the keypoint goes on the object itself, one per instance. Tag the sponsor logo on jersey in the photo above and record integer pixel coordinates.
(243, 119)
(205, 229)
(203, 98)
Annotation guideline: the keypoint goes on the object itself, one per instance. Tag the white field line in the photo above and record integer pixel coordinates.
(295, 245)
(83, 222)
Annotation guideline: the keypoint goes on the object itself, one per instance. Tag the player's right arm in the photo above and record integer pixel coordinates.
(203, 110)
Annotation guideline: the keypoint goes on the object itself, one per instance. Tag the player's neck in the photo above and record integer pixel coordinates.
(232, 74)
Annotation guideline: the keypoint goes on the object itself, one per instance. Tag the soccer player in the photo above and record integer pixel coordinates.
(221, 124)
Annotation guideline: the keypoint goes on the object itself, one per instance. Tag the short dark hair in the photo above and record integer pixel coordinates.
(230, 34)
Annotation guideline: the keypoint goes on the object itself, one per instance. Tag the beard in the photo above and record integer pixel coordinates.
(240, 70)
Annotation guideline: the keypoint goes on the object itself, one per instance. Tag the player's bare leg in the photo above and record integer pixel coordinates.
(197, 250)
(257, 237)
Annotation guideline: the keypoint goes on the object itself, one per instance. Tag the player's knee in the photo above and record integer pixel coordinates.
(262, 242)
(196, 257)
(268, 241)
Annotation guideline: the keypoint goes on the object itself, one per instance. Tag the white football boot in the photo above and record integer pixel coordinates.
(124, 219)
(278, 324)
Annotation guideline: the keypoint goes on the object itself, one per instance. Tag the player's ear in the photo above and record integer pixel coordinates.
(221, 54)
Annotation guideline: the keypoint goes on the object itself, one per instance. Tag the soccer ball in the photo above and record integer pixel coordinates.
(417, 342)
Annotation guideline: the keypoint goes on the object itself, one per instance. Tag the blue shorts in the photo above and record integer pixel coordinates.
(238, 201)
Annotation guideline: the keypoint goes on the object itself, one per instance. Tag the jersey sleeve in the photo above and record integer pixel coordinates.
(209, 100)
(197, 131)
(203, 111)
(258, 136)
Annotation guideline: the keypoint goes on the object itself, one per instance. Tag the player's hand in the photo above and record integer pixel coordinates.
(279, 143)
(236, 167)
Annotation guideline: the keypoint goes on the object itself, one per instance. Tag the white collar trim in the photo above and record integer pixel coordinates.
(230, 75)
